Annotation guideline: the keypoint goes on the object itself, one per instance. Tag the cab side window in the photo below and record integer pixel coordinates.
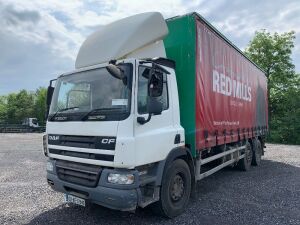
(142, 95)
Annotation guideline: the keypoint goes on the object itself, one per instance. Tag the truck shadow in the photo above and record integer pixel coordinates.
(228, 188)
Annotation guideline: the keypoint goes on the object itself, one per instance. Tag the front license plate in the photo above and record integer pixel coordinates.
(74, 199)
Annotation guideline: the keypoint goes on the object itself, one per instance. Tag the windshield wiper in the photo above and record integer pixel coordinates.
(85, 116)
(62, 110)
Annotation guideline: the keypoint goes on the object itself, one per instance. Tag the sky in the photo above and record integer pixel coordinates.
(39, 40)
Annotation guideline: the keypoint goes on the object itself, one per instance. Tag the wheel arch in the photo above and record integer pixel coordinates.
(177, 153)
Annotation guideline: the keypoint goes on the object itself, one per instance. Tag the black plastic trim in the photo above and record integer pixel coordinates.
(165, 62)
(161, 61)
(177, 139)
(78, 173)
(84, 155)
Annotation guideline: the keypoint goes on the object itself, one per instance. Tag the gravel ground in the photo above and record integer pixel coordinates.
(269, 194)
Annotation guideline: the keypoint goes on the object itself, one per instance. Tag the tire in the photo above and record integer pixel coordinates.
(257, 153)
(245, 163)
(175, 190)
(220, 149)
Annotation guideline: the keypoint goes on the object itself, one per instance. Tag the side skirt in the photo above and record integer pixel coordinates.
(233, 158)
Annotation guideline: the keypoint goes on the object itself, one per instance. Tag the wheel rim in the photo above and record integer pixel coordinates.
(177, 188)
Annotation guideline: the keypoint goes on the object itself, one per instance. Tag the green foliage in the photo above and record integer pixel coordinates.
(3, 108)
(19, 106)
(285, 120)
(40, 104)
(272, 52)
(16, 106)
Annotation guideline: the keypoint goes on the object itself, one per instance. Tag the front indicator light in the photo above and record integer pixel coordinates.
(116, 178)
(45, 144)
(50, 166)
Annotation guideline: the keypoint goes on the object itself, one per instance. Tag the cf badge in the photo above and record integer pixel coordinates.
(108, 140)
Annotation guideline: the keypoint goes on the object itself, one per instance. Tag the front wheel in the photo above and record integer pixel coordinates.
(175, 190)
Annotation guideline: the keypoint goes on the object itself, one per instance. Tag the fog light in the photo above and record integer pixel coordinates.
(45, 144)
(50, 166)
(116, 178)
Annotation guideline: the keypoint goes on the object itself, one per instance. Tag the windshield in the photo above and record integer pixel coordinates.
(94, 92)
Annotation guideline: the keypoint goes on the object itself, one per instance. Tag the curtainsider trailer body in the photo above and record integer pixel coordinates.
(152, 107)
(222, 94)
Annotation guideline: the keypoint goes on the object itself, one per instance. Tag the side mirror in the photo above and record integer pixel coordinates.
(155, 85)
(116, 72)
(49, 95)
(154, 108)
(50, 91)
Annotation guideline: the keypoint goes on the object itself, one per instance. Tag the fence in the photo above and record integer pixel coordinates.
(17, 128)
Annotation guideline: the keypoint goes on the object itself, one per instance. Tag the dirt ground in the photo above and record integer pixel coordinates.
(269, 194)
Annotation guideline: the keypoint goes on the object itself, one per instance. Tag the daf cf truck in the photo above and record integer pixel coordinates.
(152, 107)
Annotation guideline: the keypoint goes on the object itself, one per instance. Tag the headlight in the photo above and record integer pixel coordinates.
(45, 144)
(50, 166)
(116, 178)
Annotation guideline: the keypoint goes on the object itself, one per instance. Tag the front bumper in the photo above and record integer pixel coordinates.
(120, 197)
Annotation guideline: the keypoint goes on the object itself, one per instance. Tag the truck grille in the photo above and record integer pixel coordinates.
(78, 173)
(94, 142)
(84, 155)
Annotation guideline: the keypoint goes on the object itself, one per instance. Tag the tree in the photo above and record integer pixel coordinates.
(40, 104)
(24, 104)
(19, 106)
(272, 52)
(3, 109)
(285, 121)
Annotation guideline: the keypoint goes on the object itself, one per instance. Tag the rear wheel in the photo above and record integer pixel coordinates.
(245, 163)
(175, 190)
(257, 152)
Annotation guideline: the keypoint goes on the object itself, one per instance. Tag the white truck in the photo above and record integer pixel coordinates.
(128, 128)
(30, 122)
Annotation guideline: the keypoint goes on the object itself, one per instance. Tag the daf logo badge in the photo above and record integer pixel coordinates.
(53, 138)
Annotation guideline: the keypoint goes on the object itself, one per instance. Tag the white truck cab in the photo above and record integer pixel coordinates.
(105, 133)
(114, 120)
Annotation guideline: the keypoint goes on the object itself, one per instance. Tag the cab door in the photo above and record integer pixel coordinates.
(153, 139)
